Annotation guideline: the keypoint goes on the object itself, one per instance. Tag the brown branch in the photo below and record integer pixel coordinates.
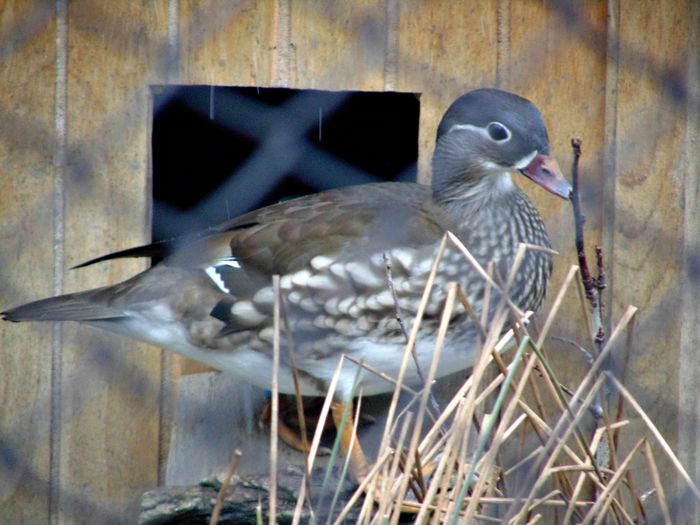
(579, 221)
(593, 285)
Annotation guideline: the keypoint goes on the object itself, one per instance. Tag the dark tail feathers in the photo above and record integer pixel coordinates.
(71, 307)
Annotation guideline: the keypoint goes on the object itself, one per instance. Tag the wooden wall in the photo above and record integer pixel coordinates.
(80, 439)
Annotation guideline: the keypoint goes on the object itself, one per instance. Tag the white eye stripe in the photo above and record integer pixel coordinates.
(484, 132)
(477, 129)
(525, 161)
(519, 165)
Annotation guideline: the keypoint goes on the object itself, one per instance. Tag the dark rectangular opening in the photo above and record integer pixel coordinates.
(219, 152)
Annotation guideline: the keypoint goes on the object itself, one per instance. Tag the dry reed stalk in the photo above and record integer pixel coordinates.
(551, 450)
(384, 376)
(411, 342)
(486, 304)
(437, 447)
(472, 260)
(597, 511)
(441, 476)
(554, 310)
(618, 507)
(471, 312)
(558, 395)
(458, 491)
(413, 443)
(378, 465)
(425, 504)
(392, 473)
(655, 431)
(299, 400)
(216, 512)
(479, 370)
(595, 440)
(660, 493)
(446, 317)
(274, 422)
(454, 469)
(464, 442)
(592, 372)
(498, 437)
(514, 426)
(461, 393)
(315, 442)
(556, 305)
(545, 501)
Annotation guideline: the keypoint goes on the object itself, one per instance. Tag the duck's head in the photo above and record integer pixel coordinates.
(485, 136)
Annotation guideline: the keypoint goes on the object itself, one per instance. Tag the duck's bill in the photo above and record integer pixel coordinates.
(545, 171)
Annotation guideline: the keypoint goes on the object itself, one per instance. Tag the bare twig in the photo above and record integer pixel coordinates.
(434, 406)
(588, 356)
(399, 315)
(579, 221)
(298, 398)
(593, 285)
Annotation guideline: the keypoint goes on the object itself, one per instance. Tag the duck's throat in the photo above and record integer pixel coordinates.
(465, 199)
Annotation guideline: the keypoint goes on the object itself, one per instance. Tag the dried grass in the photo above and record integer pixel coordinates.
(560, 480)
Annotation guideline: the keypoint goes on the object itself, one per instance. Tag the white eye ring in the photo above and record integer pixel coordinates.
(498, 132)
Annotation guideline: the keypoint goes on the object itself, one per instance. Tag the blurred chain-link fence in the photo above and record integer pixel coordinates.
(253, 102)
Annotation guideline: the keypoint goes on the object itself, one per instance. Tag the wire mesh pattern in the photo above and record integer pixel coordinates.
(395, 48)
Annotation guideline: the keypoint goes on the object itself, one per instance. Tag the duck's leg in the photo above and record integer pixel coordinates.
(286, 433)
(358, 465)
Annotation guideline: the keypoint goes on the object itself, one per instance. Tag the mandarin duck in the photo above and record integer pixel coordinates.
(212, 299)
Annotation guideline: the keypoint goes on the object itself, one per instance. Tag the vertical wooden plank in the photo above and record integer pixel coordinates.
(557, 59)
(689, 365)
(226, 43)
(27, 80)
(338, 45)
(552, 52)
(650, 181)
(216, 42)
(445, 49)
(110, 385)
(222, 43)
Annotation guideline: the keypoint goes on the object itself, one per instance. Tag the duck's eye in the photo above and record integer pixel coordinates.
(498, 131)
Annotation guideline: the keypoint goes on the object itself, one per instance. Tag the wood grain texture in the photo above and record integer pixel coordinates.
(651, 175)
(338, 45)
(627, 99)
(689, 365)
(226, 43)
(445, 49)
(110, 386)
(557, 58)
(27, 81)
(560, 66)
(222, 43)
